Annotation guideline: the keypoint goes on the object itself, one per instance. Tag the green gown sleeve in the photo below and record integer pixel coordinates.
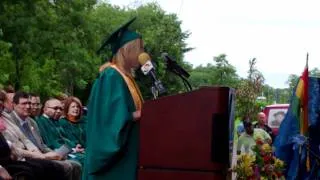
(50, 134)
(74, 132)
(109, 120)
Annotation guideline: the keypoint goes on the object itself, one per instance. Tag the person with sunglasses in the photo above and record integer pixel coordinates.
(53, 134)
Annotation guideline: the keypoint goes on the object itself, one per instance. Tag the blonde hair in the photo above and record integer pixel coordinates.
(119, 58)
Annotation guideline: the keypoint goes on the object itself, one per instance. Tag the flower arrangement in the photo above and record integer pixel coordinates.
(260, 165)
(245, 166)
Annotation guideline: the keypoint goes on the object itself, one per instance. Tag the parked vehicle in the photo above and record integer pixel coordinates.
(275, 114)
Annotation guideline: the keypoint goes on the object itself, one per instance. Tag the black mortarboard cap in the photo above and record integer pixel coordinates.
(119, 38)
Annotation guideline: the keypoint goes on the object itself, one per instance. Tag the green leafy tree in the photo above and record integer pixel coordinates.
(314, 72)
(49, 47)
(220, 73)
(248, 91)
(6, 63)
(292, 81)
(225, 73)
(268, 92)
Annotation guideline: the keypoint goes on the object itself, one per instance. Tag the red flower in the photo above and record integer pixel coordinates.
(259, 142)
(279, 174)
(267, 158)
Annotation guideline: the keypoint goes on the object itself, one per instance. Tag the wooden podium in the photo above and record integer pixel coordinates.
(186, 136)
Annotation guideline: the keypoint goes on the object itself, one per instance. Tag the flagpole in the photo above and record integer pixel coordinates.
(302, 131)
(307, 60)
(308, 155)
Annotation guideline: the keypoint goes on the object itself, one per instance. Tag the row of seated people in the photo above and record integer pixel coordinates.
(46, 145)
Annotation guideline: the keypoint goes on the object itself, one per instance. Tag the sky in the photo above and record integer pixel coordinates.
(278, 33)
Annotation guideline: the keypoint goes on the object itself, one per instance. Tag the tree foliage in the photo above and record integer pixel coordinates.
(221, 73)
(248, 91)
(293, 81)
(50, 47)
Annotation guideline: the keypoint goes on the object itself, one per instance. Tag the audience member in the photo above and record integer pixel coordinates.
(73, 123)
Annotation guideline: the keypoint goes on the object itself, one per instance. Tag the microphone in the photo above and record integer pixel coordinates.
(173, 66)
(147, 68)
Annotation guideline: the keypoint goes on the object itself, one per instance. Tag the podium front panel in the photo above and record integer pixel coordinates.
(187, 131)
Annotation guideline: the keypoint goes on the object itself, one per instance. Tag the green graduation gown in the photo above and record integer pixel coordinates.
(75, 132)
(54, 136)
(112, 135)
(52, 133)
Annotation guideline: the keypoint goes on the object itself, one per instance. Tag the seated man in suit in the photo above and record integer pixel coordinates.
(18, 158)
(20, 124)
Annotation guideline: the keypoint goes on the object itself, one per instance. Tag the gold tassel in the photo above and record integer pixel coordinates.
(308, 161)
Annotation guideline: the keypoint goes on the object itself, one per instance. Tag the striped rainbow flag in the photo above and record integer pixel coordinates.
(295, 123)
(300, 102)
(300, 106)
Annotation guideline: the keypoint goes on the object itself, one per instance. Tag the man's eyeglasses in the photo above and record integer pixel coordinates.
(25, 103)
(56, 108)
(36, 104)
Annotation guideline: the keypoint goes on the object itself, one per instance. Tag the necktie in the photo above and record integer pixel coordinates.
(28, 133)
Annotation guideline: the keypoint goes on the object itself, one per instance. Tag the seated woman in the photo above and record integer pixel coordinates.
(73, 123)
(53, 135)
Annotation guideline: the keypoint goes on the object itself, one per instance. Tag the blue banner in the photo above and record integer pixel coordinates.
(291, 147)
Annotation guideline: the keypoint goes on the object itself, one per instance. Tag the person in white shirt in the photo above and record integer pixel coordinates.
(248, 139)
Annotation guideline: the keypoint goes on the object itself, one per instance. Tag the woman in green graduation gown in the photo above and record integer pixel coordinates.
(73, 123)
(113, 110)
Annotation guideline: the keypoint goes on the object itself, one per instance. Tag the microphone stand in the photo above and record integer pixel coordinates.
(186, 83)
(157, 89)
(154, 92)
(184, 80)
(174, 67)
